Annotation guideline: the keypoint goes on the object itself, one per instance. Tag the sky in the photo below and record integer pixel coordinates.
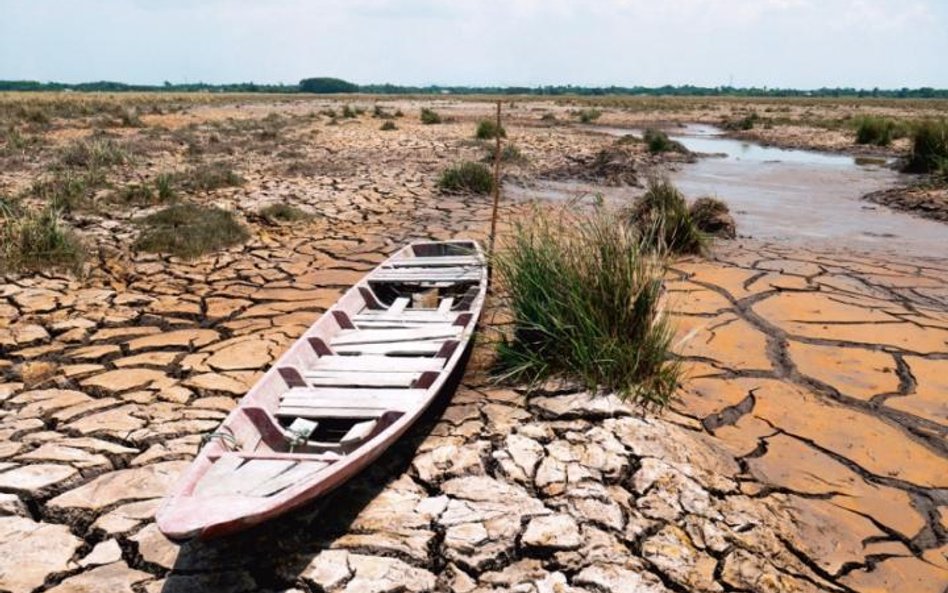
(772, 43)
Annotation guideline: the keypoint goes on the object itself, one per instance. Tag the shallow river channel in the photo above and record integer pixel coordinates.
(799, 196)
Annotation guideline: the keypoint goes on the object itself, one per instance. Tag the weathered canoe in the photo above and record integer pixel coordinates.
(339, 397)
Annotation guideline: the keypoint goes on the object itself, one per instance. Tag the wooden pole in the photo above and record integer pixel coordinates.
(496, 196)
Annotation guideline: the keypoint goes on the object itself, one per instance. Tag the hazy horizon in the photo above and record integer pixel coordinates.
(774, 43)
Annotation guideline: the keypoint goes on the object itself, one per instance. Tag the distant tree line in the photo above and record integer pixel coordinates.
(325, 85)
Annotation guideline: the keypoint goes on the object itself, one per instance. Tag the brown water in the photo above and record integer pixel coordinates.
(775, 194)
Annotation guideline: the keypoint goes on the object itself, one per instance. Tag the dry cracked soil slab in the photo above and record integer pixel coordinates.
(804, 452)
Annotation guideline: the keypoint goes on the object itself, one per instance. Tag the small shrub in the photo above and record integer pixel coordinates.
(94, 154)
(429, 116)
(331, 113)
(589, 115)
(584, 298)
(488, 129)
(210, 176)
(388, 125)
(548, 116)
(712, 217)
(467, 177)
(929, 148)
(348, 112)
(283, 213)
(129, 118)
(189, 230)
(510, 153)
(662, 219)
(398, 113)
(874, 130)
(37, 241)
(744, 123)
(658, 141)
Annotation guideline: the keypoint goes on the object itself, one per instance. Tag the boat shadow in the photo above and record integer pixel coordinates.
(272, 555)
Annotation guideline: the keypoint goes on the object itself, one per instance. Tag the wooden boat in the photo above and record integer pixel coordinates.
(342, 394)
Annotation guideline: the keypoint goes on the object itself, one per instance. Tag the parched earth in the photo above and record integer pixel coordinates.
(806, 450)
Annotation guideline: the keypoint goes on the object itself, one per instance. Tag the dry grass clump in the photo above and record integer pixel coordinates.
(189, 230)
(429, 116)
(68, 191)
(587, 116)
(209, 176)
(37, 240)
(283, 213)
(584, 293)
(664, 222)
(469, 177)
(658, 141)
(388, 126)
(94, 153)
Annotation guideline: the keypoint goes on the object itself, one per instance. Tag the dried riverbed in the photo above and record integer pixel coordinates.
(806, 451)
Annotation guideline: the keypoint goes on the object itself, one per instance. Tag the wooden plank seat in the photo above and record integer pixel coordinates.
(435, 262)
(329, 402)
(394, 349)
(381, 336)
(426, 275)
(375, 364)
(360, 379)
(237, 475)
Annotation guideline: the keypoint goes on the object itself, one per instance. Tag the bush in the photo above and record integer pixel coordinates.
(584, 298)
(67, 191)
(658, 141)
(429, 116)
(388, 125)
(488, 129)
(283, 213)
(713, 217)
(189, 230)
(874, 130)
(548, 116)
(589, 115)
(37, 241)
(94, 154)
(510, 153)
(929, 148)
(467, 177)
(662, 219)
(745, 123)
(348, 112)
(210, 176)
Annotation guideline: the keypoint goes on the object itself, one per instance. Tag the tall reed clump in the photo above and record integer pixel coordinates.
(929, 148)
(585, 299)
(663, 221)
(875, 130)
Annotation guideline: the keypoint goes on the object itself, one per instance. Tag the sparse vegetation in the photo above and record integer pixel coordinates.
(276, 213)
(548, 117)
(663, 221)
(429, 116)
(488, 129)
(658, 141)
(584, 297)
(348, 112)
(589, 115)
(743, 123)
(210, 176)
(189, 230)
(67, 191)
(467, 177)
(929, 148)
(37, 241)
(388, 125)
(95, 153)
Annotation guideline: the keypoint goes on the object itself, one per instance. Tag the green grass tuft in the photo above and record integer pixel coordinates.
(584, 297)
(663, 221)
(875, 130)
(658, 141)
(929, 148)
(467, 177)
(488, 129)
(38, 241)
(189, 230)
(429, 116)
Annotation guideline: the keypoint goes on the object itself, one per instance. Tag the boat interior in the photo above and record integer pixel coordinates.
(372, 358)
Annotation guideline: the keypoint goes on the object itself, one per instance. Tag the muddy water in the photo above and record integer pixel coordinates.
(799, 196)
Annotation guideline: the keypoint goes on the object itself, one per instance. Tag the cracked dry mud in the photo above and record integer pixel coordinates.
(805, 452)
